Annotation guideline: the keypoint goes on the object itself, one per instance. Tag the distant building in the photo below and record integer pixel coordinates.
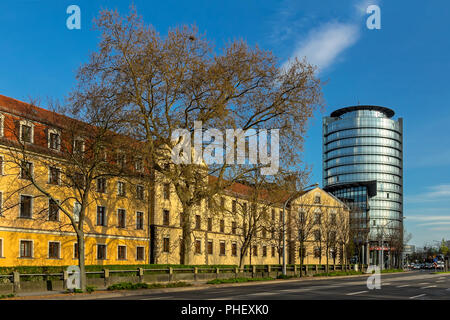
(363, 166)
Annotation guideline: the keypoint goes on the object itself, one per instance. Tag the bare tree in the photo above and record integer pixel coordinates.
(162, 84)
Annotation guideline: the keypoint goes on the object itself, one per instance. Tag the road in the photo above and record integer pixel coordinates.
(418, 285)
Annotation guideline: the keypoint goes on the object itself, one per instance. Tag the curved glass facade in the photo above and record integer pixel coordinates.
(362, 145)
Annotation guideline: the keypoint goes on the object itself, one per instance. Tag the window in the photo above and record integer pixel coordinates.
(210, 247)
(264, 233)
(198, 246)
(333, 218)
(316, 235)
(233, 227)
(140, 192)
(166, 217)
(1, 166)
(166, 191)
(140, 253)
(317, 198)
(53, 250)
(121, 252)
(53, 140)
(1, 248)
(75, 250)
(273, 251)
(101, 251)
(222, 202)
(264, 253)
(139, 220)
(198, 222)
(2, 124)
(121, 190)
(317, 218)
(121, 218)
(317, 252)
(273, 215)
(138, 165)
(1, 203)
(53, 210)
(166, 245)
(78, 146)
(234, 249)
(255, 251)
(26, 133)
(222, 248)
(222, 225)
(54, 175)
(26, 170)
(26, 248)
(25, 206)
(233, 206)
(209, 224)
(121, 160)
(101, 216)
(76, 211)
(101, 185)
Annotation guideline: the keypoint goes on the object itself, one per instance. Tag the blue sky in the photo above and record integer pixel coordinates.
(405, 66)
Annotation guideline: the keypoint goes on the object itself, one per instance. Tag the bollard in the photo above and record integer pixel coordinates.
(295, 270)
(217, 273)
(236, 271)
(195, 273)
(253, 271)
(16, 281)
(170, 273)
(140, 274)
(106, 277)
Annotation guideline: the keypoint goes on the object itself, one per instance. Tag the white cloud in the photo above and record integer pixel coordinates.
(324, 44)
(435, 193)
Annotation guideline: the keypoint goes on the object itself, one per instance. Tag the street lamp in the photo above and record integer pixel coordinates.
(292, 196)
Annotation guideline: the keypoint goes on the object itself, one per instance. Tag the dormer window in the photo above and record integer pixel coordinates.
(26, 132)
(54, 140)
(2, 121)
(78, 146)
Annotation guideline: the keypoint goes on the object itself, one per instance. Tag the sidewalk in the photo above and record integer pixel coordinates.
(104, 294)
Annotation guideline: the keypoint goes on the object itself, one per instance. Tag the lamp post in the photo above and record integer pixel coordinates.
(382, 243)
(284, 222)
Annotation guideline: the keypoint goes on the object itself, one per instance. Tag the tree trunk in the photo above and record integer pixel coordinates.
(81, 260)
(185, 259)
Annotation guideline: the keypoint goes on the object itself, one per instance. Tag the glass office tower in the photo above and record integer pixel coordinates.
(363, 166)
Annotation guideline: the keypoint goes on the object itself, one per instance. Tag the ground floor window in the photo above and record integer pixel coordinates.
(166, 245)
(101, 251)
(121, 252)
(53, 250)
(26, 248)
(140, 253)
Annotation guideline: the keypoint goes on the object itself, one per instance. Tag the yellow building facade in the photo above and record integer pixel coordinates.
(126, 222)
